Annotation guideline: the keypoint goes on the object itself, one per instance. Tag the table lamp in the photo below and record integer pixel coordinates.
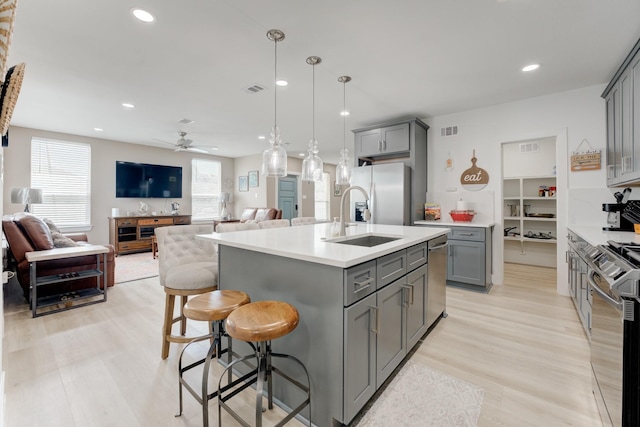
(26, 196)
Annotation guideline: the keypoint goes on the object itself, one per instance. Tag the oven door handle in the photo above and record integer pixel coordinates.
(618, 305)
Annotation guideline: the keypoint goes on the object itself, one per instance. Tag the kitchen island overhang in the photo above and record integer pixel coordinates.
(299, 266)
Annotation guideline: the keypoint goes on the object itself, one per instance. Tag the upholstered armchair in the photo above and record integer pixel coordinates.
(236, 226)
(28, 233)
(303, 220)
(274, 223)
(260, 214)
(187, 266)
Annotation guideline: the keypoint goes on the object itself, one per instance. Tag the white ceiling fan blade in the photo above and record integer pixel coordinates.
(164, 142)
(196, 150)
(205, 147)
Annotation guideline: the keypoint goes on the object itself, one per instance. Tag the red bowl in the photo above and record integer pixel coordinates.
(462, 216)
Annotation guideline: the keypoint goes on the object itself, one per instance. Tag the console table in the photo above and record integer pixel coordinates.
(60, 253)
(130, 234)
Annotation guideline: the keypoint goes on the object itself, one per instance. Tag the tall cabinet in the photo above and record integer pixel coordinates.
(404, 141)
(622, 100)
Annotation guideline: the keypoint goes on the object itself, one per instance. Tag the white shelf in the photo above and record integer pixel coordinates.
(522, 192)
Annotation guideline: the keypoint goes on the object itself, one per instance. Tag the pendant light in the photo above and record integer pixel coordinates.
(312, 166)
(274, 158)
(343, 170)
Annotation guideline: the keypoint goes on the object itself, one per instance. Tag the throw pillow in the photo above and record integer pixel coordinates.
(51, 225)
(36, 229)
(62, 241)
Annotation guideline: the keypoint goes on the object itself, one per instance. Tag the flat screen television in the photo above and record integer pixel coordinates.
(140, 180)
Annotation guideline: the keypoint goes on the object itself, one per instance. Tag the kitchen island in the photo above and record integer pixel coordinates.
(362, 309)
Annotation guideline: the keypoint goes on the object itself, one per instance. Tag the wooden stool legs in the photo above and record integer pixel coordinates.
(169, 320)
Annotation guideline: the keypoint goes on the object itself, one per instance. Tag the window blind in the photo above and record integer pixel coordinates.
(63, 171)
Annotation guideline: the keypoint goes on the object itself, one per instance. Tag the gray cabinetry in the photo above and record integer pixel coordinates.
(622, 100)
(384, 140)
(577, 277)
(382, 327)
(405, 142)
(469, 257)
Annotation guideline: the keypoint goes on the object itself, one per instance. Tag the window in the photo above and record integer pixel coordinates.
(63, 171)
(205, 188)
(321, 196)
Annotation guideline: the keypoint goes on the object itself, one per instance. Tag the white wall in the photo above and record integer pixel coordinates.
(104, 154)
(569, 116)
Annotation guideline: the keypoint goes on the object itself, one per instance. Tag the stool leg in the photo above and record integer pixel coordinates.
(269, 381)
(168, 321)
(183, 319)
(214, 348)
(262, 375)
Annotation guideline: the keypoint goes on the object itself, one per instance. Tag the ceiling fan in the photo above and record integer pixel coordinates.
(184, 144)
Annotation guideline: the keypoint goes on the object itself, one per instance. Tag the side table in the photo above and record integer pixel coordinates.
(60, 253)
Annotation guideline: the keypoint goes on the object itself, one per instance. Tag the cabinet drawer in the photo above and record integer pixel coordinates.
(134, 245)
(391, 267)
(156, 221)
(467, 233)
(182, 220)
(127, 222)
(416, 256)
(359, 281)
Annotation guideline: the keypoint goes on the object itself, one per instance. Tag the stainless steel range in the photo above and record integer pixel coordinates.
(614, 275)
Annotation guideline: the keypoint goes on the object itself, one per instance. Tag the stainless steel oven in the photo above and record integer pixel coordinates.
(615, 333)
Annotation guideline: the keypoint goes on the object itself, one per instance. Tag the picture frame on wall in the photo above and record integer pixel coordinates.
(243, 183)
(253, 179)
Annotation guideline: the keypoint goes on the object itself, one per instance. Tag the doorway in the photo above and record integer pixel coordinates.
(288, 196)
(530, 208)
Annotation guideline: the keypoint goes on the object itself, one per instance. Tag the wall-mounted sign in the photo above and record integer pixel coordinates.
(588, 160)
(474, 178)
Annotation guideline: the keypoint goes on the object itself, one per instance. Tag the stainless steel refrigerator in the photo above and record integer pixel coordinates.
(389, 189)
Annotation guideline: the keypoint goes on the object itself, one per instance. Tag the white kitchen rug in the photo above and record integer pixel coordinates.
(421, 396)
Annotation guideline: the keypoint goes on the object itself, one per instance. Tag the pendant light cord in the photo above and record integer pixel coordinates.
(313, 103)
(344, 114)
(275, 85)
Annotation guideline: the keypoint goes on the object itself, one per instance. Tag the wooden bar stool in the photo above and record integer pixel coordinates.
(211, 307)
(258, 323)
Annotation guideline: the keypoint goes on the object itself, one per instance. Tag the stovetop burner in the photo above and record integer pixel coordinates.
(630, 251)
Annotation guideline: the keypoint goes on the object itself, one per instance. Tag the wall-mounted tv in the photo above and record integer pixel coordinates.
(140, 180)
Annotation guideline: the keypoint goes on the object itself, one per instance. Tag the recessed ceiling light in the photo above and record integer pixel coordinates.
(127, 105)
(344, 113)
(301, 154)
(261, 137)
(98, 129)
(142, 15)
(282, 82)
(531, 67)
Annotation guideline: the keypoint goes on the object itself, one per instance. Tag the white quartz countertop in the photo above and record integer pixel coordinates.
(440, 223)
(311, 242)
(597, 236)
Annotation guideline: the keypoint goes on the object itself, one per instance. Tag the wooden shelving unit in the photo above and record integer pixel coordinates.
(133, 233)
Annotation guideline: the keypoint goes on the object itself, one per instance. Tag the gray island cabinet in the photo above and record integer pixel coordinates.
(362, 309)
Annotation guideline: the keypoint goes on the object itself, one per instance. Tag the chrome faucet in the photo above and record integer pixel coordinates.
(367, 214)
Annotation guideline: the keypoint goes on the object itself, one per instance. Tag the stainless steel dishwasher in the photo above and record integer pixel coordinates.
(437, 284)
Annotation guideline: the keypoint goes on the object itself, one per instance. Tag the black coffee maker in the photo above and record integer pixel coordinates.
(615, 220)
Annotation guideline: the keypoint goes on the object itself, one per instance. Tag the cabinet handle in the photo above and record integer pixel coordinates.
(384, 145)
(364, 284)
(410, 287)
(377, 328)
(465, 234)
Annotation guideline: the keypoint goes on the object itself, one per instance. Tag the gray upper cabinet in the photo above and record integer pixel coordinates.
(622, 100)
(385, 140)
(404, 141)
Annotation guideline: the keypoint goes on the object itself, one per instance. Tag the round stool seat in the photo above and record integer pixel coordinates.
(262, 321)
(215, 305)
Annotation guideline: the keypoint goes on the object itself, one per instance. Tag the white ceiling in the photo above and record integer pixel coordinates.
(407, 58)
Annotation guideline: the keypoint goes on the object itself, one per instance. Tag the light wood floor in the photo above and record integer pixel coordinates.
(100, 365)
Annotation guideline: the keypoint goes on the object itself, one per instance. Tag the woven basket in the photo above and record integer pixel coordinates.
(9, 95)
(7, 16)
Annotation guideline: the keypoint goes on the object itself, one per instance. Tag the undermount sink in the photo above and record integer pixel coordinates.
(366, 241)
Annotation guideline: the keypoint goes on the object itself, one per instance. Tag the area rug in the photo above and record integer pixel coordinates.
(135, 267)
(421, 396)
